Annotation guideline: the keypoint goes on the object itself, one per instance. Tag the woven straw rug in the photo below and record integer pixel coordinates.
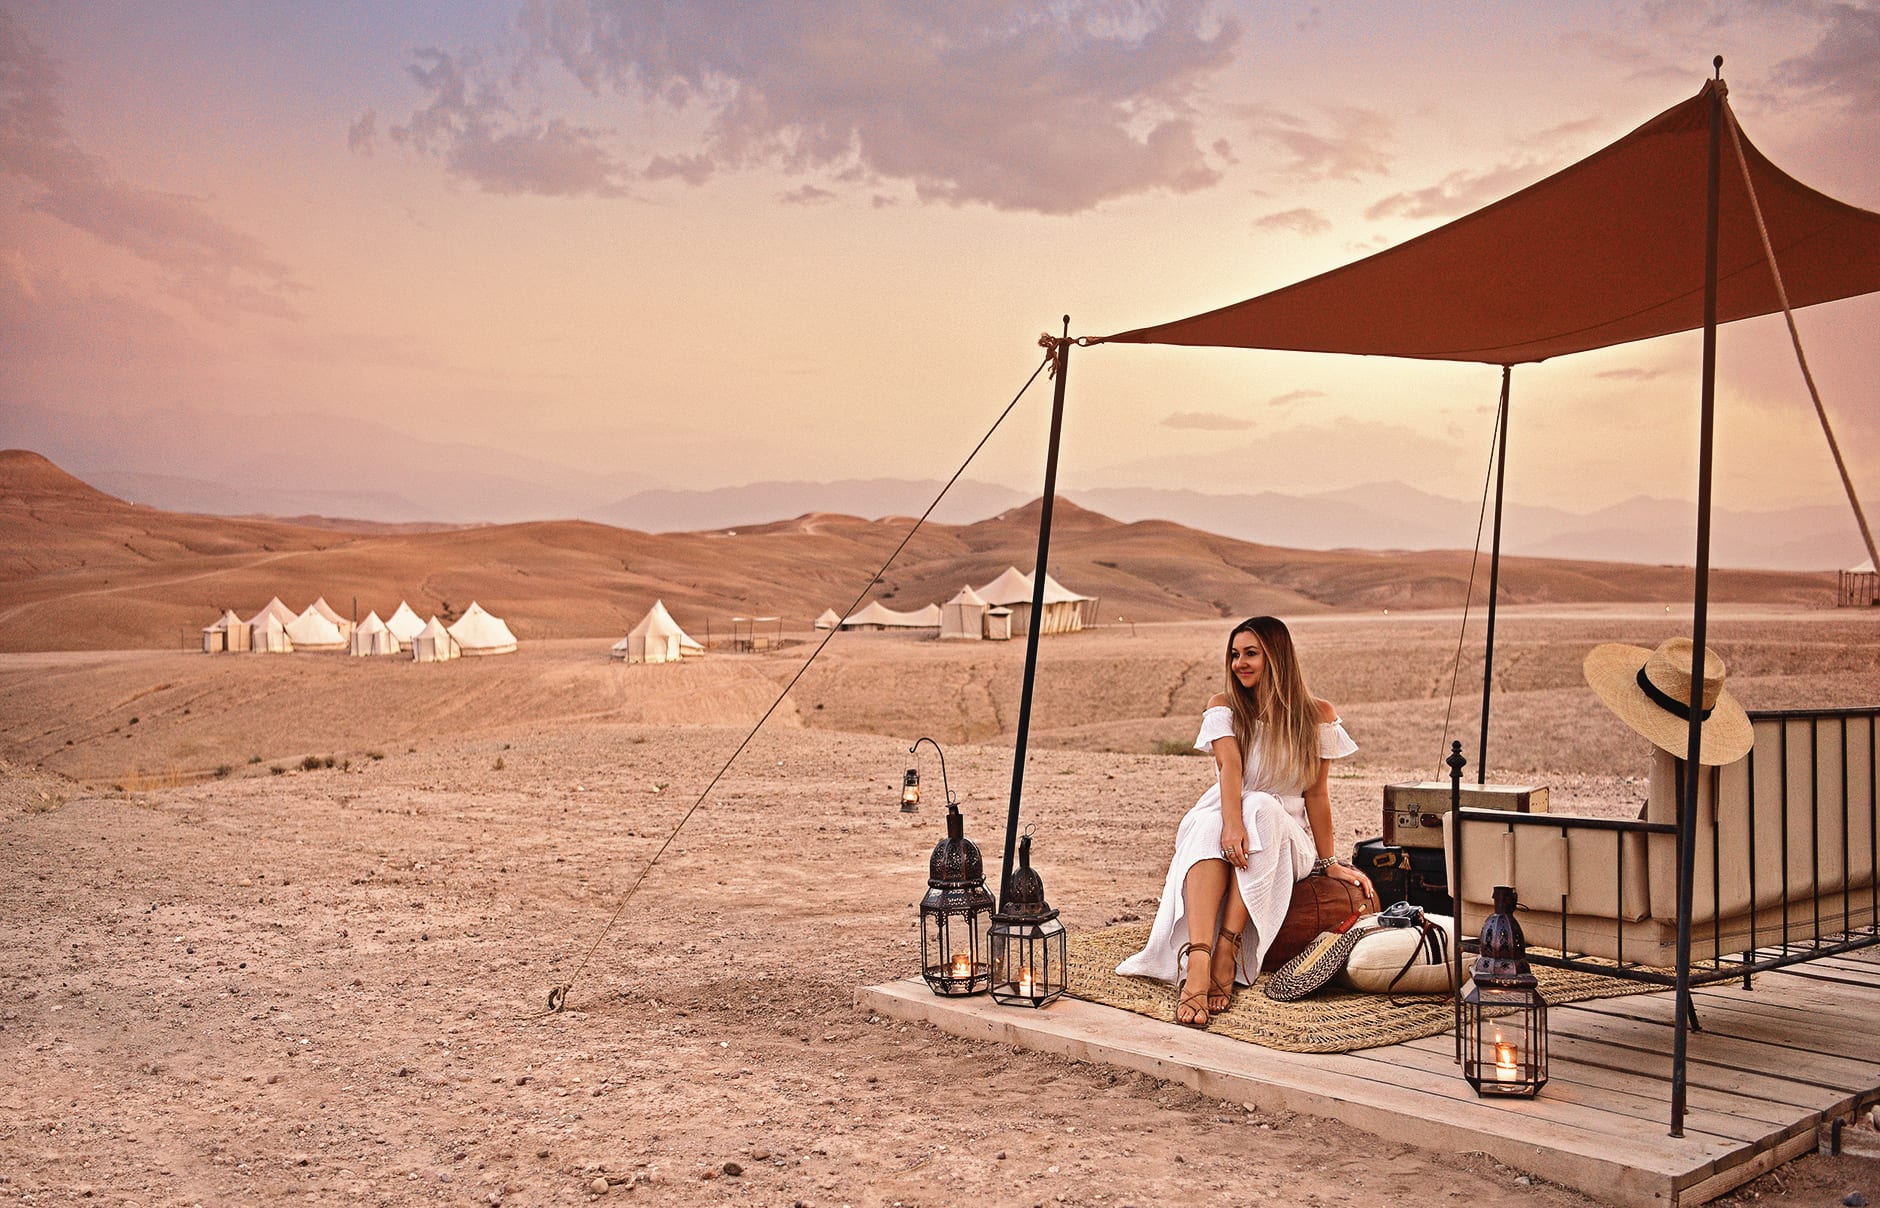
(1334, 1020)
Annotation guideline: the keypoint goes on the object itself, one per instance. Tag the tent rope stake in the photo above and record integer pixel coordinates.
(558, 993)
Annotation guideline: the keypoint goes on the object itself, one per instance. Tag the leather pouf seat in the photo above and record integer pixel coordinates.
(1318, 904)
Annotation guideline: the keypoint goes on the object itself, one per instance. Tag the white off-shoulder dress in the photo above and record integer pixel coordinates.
(1281, 851)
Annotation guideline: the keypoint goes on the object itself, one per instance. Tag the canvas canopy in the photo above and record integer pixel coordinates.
(1606, 251)
(1661, 232)
(311, 631)
(404, 623)
(656, 639)
(876, 615)
(479, 633)
(372, 637)
(267, 635)
(434, 644)
(828, 619)
(964, 616)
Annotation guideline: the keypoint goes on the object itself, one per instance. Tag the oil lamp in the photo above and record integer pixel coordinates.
(953, 914)
(1027, 945)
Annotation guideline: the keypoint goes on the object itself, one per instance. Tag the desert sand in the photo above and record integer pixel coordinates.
(284, 928)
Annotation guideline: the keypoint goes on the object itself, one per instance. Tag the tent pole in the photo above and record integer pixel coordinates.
(1062, 355)
(1494, 574)
(1700, 617)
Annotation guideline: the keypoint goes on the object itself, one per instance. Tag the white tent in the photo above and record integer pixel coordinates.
(340, 623)
(964, 616)
(434, 644)
(656, 639)
(404, 624)
(266, 635)
(311, 631)
(228, 634)
(478, 633)
(277, 610)
(1064, 611)
(828, 619)
(876, 615)
(372, 637)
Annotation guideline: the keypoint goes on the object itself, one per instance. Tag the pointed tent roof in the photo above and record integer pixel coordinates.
(1606, 251)
(828, 619)
(371, 624)
(657, 624)
(477, 632)
(968, 597)
(326, 610)
(277, 610)
(1011, 587)
(311, 631)
(404, 623)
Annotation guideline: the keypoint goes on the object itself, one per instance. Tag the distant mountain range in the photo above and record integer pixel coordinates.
(1386, 515)
(308, 464)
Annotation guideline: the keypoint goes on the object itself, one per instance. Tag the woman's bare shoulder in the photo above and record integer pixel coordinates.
(1218, 701)
(1327, 714)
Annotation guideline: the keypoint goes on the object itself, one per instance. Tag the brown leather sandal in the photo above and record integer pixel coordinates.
(1223, 995)
(1195, 1003)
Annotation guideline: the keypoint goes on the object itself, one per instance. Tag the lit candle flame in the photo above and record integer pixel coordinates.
(1507, 1067)
(963, 965)
(1027, 984)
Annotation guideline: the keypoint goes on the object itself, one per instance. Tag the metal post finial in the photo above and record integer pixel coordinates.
(1718, 64)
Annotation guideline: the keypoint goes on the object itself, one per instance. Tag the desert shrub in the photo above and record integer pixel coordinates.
(310, 763)
(254, 759)
(222, 770)
(277, 769)
(498, 765)
(328, 762)
(375, 755)
(1173, 746)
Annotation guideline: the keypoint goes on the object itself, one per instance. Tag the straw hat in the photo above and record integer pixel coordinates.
(1650, 690)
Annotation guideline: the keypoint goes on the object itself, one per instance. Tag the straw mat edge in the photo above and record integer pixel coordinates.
(1334, 1020)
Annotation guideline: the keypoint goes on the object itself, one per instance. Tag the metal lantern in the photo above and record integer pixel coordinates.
(953, 915)
(1504, 1018)
(910, 779)
(1028, 951)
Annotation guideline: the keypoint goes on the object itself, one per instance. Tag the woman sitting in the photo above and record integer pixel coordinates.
(1266, 824)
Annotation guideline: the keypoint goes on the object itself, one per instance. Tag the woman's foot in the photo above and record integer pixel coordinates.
(1191, 996)
(1221, 969)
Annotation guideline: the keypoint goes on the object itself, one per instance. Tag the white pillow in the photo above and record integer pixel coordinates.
(1380, 956)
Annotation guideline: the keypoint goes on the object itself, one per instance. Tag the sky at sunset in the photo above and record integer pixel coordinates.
(618, 246)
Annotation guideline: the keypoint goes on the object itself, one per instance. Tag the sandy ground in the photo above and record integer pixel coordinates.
(328, 982)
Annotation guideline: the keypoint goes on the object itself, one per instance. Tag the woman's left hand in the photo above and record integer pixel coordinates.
(1351, 876)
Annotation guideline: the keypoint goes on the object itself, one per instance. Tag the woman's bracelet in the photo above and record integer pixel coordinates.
(1324, 862)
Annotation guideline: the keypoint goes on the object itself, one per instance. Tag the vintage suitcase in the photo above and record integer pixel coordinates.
(1413, 813)
(1416, 875)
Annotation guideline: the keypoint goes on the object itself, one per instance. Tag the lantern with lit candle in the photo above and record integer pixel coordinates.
(910, 779)
(1028, 944)
(1504, 1018)
(953, 914)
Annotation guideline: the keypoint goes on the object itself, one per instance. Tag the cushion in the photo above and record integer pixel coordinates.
(1318, 904)
(1380, 955)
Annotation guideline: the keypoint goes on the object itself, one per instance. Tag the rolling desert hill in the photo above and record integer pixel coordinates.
(80, 569)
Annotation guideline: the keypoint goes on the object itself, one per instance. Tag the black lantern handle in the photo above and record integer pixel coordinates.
(945, 789)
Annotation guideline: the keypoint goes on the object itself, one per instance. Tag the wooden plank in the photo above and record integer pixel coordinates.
(1574, 1060)
(1732, 1043)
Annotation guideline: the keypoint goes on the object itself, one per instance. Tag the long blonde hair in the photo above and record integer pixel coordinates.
(1279, 712)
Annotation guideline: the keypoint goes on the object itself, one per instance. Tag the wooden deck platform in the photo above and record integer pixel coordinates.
(1771, 1067)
